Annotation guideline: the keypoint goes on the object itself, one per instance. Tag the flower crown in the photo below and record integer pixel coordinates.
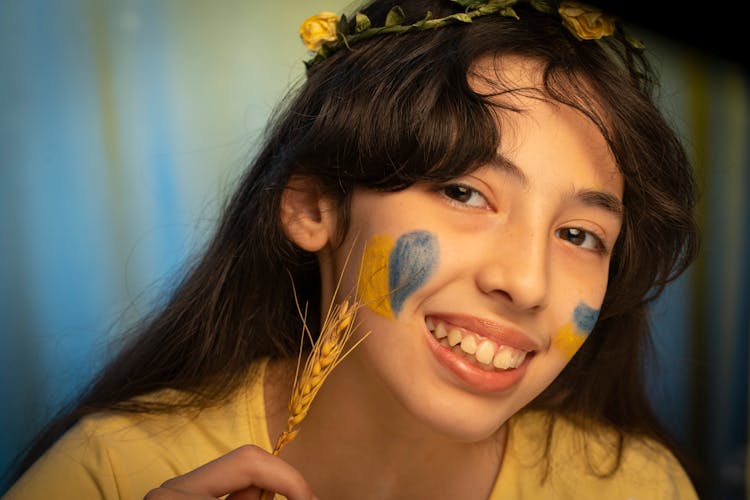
(326, 32)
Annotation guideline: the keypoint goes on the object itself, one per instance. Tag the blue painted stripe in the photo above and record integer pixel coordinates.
(585, 317)
(411, 262)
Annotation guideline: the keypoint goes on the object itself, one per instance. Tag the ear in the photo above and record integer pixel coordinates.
(308, 217)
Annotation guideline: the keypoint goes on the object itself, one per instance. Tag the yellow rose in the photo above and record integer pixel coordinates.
(318, 29)
(585, 22)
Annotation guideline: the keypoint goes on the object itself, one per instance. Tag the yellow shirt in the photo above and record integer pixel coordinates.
(124, 456)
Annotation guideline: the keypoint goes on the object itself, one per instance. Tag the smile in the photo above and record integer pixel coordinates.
(473, 347)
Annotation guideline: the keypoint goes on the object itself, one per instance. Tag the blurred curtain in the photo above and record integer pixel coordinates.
(123, 125)
(701, 324)
(718, 115)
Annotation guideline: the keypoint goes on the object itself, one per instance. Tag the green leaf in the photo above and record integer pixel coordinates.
(634, 42)
(509, 12)
(312, 62)
(395, 17)
(544, 6)
(343, 25)
(464, 18)
(467, 3)
(422, 23)
(362, 22)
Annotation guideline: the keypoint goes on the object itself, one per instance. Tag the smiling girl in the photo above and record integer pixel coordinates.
(493, 184)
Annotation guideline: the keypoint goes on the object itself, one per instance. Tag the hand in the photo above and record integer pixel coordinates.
(242, 474)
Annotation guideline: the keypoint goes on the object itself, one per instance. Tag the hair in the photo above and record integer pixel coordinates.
(383, 114)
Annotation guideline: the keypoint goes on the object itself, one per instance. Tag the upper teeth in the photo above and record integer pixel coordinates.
(485, 351)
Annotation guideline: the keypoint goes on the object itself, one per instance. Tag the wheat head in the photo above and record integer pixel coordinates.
(327, 352)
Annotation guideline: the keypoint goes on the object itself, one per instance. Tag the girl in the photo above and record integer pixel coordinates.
(491, 184)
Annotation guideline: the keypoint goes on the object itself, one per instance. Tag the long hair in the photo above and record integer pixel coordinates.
(383, 114)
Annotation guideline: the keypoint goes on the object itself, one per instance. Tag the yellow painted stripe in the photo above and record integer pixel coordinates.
(373, 284)
(568, 340)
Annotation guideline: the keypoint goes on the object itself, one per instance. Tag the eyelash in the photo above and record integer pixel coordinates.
(577, 232)
(465, 190)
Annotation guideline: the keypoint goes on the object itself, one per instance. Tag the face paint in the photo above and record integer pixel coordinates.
(392, 271)
(373, 285)
(571, 335)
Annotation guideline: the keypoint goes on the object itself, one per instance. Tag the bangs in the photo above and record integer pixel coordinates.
(403, 121)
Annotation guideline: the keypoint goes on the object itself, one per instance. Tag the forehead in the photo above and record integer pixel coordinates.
(537, 129)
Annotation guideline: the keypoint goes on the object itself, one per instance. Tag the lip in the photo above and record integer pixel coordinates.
(473, 377)
(500, 334)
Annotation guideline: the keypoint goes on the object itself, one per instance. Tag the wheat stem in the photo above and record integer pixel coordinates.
(326, 354)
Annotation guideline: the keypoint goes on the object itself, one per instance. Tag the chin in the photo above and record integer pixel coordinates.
(461, 417)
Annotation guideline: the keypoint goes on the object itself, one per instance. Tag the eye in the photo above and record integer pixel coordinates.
(465, 195)
(582, 238)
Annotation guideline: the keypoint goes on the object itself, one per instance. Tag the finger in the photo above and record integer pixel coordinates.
(251, 493)
(245, 467)
(162, 493)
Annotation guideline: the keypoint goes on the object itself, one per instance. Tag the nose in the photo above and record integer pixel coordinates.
(516, 268)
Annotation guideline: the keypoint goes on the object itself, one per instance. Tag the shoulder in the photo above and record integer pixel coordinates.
(124, 455)
(592, 461)
(104, 455)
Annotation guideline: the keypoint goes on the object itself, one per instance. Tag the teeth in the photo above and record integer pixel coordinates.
(503, 358)
(440, 332)
(469, 344)
(485, 351)
(430, 324)
(454, 337)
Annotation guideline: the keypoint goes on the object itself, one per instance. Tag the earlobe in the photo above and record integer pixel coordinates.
(308, 217)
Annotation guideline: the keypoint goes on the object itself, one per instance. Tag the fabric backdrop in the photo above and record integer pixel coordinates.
(124, 124)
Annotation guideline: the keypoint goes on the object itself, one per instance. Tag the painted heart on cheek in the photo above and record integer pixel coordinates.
(392, 271)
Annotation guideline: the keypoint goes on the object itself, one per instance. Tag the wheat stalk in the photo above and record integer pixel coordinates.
(326, 353)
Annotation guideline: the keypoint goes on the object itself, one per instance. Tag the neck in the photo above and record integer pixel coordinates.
(357, 441)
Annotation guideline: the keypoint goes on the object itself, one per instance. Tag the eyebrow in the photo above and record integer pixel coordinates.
(602, 199)
(507, 166)
(590, 197)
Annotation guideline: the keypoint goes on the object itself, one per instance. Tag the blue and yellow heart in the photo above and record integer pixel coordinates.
(394, 269)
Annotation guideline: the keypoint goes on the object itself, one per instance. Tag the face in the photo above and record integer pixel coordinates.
(478, 291)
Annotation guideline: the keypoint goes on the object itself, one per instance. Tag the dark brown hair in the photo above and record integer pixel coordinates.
(383, 114)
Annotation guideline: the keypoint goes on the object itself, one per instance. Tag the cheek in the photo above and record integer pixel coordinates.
(570, 337)
(392, 271)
